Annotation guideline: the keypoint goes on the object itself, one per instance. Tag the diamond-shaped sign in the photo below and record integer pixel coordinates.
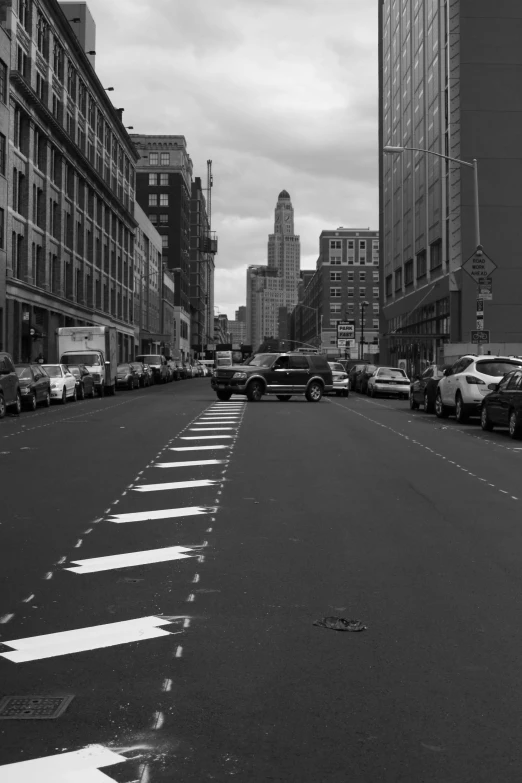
(479, 266)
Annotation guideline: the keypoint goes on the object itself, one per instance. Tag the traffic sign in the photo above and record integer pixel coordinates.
(341, 343)
(485, 289)
(479, 266)
(479, 336)
(346, 330)
(480, 307)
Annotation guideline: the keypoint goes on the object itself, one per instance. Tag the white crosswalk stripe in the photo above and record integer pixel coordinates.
(204, 437)
(174, 485)
(165, 513)
(81, 766)
(199, 448)
(190, 463)
(110, 562)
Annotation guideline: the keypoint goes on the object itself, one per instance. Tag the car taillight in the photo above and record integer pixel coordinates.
(474, 379)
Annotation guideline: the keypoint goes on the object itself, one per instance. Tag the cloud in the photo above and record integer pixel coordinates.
(277, 94)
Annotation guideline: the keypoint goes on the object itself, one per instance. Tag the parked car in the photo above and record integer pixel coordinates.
(63, 382)
(340, 379)
(389, 381)
(127, 377)
(282, 374)
(85, 385)
(503, 407)
(143, 375)
(353, 373)
(35, 385)
(158, 363)
(362, 378)
(10, 396)
(423, 389)
(465, 384)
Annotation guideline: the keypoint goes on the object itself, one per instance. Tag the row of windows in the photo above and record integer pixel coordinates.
(362, 276)
(336, 244)
(336, 309)
(351, 261)
(163, 179)
(395, 280)
(163, 199)
(163, 219)
(159, 159)
(335, 321)
(335, 293)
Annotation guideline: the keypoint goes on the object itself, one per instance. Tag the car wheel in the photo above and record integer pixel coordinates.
(47, 399)
(286, 397)
(2, 406)
(428, 406)
(255, 391)
(485, 422)
(64, 396)
(461, 414)
(314, 392)
(224, 396)
(413, 405)
(81, 395)
(74, 395)
(441, 410)
(515, 426)
(32, 402)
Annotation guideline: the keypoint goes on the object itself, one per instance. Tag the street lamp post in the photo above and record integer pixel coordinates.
(316, 311)
(362, 306)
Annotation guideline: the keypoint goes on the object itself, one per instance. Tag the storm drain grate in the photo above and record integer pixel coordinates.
(33, 707)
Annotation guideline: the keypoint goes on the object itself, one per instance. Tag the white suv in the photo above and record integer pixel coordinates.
(465, 385)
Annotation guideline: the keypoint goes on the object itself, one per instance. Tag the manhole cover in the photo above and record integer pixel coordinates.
(33, 707)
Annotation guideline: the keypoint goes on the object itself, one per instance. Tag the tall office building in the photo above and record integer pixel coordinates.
(448, 74)
(284, 249)
(163, 191)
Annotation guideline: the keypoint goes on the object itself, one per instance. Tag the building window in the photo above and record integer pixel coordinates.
(40, 85)
(335, 307)
(41, 35)
(3, 82)
(153, 180)
(335, 244)
(153, 159)
(435, 255)
(350, 277)
(164, 179)
(398, 279)
(375, 307)
(165, 159)
(153, 219)
(164, 242)
(82, 97)
(408, 272)
(153, 199)
(335, 293)
(362, 291)
(376, 291)
(164, 200)
(23, 14)
(2, 154)
(375, 276)
(389, 283)
(2, 229)
(335, 259)
(71, 81)
(335, 276)
(421, 264)
(351, 244)
(164, 219)
(362, 277)
(362, 245)
(92, 112)
(362, 259)
(375, 323)
(58, 61)
(350, 291)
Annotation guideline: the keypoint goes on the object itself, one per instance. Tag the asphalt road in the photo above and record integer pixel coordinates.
(203, 662)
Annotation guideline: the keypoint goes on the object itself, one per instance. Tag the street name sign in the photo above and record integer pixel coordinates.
(479, 336)
(479, 266)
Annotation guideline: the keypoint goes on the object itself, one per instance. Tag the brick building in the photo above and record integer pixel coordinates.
(69, 231)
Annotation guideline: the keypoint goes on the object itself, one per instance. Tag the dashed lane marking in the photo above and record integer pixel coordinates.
(199, 448)
(175, 485)
(35, 648)
(204, 437)
(191, 463)
(96, 564)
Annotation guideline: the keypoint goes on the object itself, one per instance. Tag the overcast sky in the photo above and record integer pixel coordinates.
(278, 93)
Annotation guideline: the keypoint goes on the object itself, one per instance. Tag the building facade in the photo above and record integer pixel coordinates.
(203, 247)
(5, 59)
(264, 298)
(448, 74)
(148, 273)
(163, 191)
(69, 229)
(237, 331)
(344, 286)
(284, 249)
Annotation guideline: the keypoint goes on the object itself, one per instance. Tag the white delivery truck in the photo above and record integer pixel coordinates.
(94, 346)
(223, 359)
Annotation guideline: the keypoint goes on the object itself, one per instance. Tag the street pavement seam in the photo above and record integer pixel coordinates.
(427, 448)
(107, 635)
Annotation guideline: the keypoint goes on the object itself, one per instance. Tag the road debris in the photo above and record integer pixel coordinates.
(340, 624)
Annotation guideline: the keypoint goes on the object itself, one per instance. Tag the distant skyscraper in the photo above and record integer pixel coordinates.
(284, 249)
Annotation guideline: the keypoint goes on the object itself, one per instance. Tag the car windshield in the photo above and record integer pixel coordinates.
(149, 359)
(262, 360)
(91, 359)
(336, 367)
(23, 372)
(496, 368)
(53, 370)
(389, 372)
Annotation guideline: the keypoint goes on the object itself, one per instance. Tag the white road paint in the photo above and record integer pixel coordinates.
(191, 463)
(204, 437)
(167, 683)
(174, 485)
(210, 429)
(96, 564)
(80, 766)
(36, 648)
(198, 448)
(165, 513)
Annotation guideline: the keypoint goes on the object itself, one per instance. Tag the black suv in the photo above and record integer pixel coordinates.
(282, 374)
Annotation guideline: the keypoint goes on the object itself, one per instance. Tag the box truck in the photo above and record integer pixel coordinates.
(94, 346)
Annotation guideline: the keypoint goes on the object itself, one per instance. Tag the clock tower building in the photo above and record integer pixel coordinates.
(284, 250)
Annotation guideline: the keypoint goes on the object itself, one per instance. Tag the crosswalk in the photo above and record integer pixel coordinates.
(220, 424)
